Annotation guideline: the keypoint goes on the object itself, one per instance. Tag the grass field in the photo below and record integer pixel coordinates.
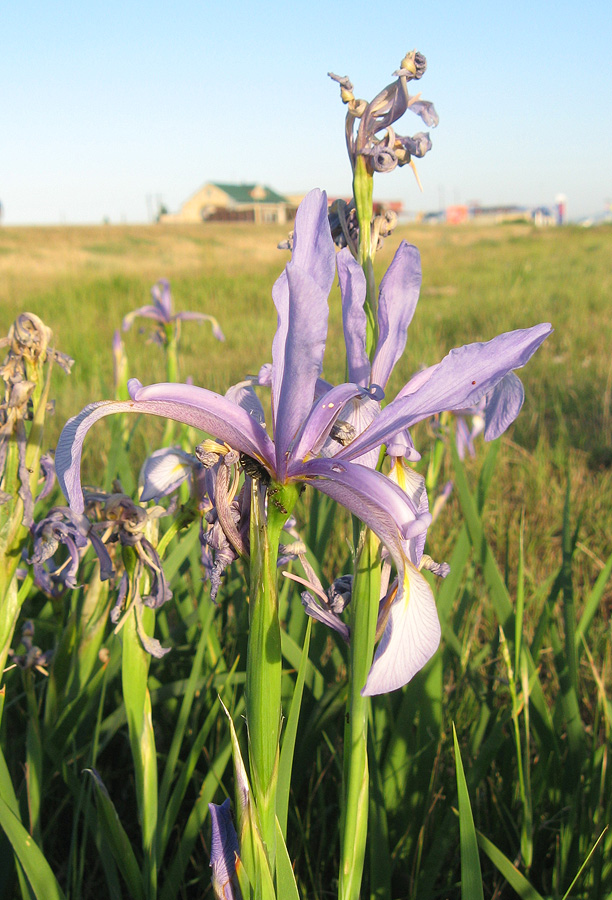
(555, 462)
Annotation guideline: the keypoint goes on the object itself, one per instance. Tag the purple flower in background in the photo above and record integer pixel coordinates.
(303, 425)
(224, 849)
(161, 312)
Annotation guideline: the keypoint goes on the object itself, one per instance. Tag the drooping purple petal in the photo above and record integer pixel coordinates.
(47, 466)
(503, 406)
(147, 312)
(300, 296)
(184, 403)
(398, 297)
(417, 145)
(353, 290)
(375, 499)
(323, 614)
(150, 644)
(410, 638)
(25, 491)
(202, 317)
(459, 381)
(426, 110)
(412, 633)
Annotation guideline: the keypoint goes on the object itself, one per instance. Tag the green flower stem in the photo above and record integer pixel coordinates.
(172, 340)
(264, 666)
(172, 374)
(354, 822)
(363, 186)
(135, 672)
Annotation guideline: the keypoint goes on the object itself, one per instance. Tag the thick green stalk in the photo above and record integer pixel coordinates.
(135, 672)
(264, 666)
(172, 374)
(354, 823)
(363, 186)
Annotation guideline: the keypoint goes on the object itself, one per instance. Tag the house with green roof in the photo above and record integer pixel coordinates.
(216, 202)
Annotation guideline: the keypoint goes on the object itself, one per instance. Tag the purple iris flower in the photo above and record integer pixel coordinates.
(161, 311)
(302, 425)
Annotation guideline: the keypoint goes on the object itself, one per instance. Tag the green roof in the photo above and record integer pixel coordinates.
(242, 193)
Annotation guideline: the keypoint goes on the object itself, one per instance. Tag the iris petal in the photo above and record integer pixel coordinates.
(410, 639)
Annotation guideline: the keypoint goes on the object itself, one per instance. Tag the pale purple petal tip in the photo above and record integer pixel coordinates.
(410, 639)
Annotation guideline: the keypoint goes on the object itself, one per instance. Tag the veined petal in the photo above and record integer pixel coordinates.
(300, 296)
(184, 403)
(164, 471)
(353, 290)
(460, 380)
(210, 412)
(374, 498)
(411, 636)
(398, 297)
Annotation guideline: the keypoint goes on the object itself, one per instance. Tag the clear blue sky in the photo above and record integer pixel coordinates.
(106, 104)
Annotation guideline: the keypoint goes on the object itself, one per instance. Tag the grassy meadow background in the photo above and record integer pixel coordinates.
(477, 282)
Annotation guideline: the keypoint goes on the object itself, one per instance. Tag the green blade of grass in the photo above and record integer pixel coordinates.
(117, 839)
(285, 764)
(471, 877)
(285, 879)
(592, 602)
(38, 871)
(515, 879)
